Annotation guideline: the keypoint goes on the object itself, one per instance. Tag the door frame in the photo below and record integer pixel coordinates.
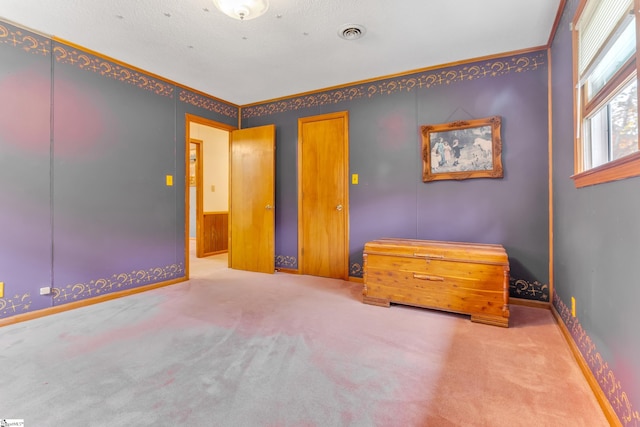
(191, 118)
(344, 115)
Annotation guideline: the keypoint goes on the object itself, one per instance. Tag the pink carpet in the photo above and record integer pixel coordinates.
(232, 348)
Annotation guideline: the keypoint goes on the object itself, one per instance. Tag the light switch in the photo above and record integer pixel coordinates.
(1, 289)
(354, 179)
(169, 180)
(213, 188)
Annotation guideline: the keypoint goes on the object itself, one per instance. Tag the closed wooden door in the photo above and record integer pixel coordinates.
(323, 165)
(251, 199)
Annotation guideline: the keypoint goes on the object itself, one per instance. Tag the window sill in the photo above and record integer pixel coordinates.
(625, 167)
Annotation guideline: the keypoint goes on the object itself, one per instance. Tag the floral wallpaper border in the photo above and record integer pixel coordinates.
(117, 282)
(68, 55)
(64, 54)
(17, 304)
(520, 288)
(285, 261)
(20, 304)
(356, 270)
(207, 103)
(408, 83)
(609, 383)
(25, 40)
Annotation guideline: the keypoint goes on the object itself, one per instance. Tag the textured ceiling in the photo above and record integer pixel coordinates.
(294, 47)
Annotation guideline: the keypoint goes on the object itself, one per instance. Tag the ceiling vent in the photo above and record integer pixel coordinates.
(351, 31)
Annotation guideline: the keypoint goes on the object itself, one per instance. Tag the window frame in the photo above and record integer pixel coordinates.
(624, 167)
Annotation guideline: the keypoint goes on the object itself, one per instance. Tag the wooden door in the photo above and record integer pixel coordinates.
(323, 165)
(252, 199)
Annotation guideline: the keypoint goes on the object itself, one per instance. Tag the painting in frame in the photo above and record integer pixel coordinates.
(462, 149)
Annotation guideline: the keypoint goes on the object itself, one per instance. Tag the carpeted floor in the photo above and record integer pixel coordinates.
(232, 348)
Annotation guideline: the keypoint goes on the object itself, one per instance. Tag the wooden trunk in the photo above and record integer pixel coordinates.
(468, 278)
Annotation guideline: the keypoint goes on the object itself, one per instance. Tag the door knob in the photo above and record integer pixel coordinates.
(268, 207)
(339, 207)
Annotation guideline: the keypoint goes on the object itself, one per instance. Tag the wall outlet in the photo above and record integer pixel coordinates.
(213, 188)
(45, 291)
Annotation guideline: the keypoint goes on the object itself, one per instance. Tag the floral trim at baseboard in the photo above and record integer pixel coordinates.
(206, 103)
(85, 61)
(520, 288)
(25, 40)
(606, 378)
(15, 305)
(356, 270)
(283, 261)
(408, 83)
(116, 282)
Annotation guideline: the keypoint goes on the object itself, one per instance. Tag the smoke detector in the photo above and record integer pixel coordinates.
(351, 31)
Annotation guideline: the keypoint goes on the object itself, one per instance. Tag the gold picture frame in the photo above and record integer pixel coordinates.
(462, 149)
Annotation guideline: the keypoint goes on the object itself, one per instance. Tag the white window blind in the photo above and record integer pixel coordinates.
(597, 21)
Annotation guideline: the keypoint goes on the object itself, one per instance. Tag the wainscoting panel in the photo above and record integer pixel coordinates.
(215, 234)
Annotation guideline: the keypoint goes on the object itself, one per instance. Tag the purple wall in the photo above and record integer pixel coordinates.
(25, 196)
(392, 201)
(596, 235)
(85, 145)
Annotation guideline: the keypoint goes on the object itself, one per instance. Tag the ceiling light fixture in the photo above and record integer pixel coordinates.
(242, 10)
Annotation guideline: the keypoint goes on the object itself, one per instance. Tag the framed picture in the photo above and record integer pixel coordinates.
(462, 149)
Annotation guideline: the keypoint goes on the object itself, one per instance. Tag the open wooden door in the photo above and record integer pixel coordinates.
(252, 199)
(323, 201)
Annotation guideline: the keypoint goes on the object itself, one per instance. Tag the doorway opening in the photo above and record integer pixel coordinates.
(207, 192)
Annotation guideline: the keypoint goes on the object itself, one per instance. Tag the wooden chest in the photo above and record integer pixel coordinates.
(468, 278)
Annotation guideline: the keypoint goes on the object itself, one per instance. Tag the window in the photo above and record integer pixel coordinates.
(606, 78)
